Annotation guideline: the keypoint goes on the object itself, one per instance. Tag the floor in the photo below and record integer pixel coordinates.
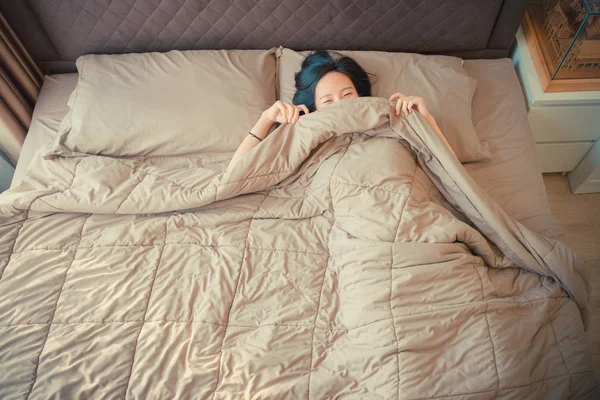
(579, 216)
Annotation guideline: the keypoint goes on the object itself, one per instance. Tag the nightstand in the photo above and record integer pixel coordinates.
(565, 125)
(585, 178)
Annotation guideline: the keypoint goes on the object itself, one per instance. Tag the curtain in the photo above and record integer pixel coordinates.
(20, 82)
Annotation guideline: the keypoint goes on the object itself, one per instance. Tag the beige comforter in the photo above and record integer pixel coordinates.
(346, 256)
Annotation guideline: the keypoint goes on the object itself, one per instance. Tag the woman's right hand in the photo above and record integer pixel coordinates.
(282, 112)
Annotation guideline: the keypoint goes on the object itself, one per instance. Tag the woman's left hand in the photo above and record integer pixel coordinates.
(408, 103)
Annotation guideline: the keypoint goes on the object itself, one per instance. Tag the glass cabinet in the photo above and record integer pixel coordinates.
(568, 38)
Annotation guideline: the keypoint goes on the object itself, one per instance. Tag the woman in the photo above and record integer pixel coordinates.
(323, 79)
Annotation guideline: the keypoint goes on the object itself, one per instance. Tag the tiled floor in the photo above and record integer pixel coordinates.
(579, 216)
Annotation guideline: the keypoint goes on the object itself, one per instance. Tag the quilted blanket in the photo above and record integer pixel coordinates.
(346, 256)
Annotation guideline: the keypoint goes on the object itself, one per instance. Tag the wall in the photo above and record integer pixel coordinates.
(6, 173)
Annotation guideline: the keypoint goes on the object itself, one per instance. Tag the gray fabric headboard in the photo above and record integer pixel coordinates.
(56, 32)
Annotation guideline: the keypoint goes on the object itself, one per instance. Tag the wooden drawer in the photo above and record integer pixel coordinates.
(560, 157)
(564, 123)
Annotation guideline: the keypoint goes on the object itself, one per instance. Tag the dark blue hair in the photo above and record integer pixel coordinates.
(316, 65)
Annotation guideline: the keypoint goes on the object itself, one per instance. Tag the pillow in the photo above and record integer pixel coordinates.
(178, 103)
(440, 80)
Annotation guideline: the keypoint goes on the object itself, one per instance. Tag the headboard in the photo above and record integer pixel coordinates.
(56, 32)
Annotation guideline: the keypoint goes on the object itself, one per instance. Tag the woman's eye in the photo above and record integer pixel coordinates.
(348, 94)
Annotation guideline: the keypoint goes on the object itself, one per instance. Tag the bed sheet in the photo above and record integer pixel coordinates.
(50, 109)
(511, 177)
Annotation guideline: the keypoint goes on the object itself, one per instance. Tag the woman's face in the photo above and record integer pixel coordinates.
(333, 87)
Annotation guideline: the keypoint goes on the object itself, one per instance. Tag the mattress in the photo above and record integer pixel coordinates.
(511, 177)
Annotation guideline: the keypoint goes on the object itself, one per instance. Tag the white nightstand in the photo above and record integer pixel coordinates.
(565, 125)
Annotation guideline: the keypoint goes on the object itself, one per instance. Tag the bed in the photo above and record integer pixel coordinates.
(143, 277)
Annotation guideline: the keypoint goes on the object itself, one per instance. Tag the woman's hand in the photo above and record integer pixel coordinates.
(284, 112)
(407, 103)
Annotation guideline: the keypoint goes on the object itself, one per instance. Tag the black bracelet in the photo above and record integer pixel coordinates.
(254, 136)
